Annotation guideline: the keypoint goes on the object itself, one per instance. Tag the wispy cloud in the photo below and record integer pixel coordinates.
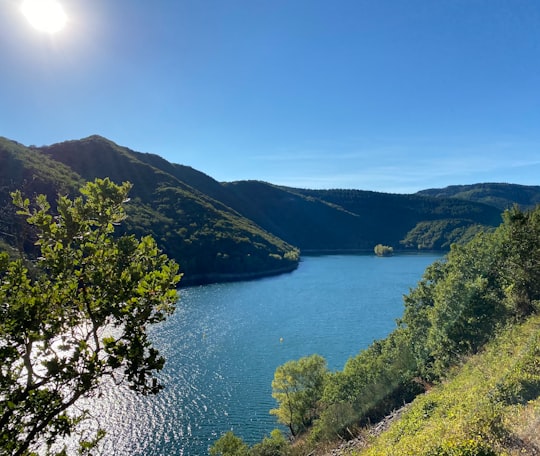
(391, 167)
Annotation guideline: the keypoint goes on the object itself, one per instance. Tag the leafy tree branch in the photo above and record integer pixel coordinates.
(80, 317)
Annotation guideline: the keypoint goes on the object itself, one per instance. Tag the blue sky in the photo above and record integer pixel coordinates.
(385, 95)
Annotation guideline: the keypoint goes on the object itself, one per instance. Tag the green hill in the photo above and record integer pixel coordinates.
(210, 241)
(28, 170)
(499, 195)
(354, 220)
(222, 231)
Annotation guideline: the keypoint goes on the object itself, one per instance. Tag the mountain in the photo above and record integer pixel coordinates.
(31, 172)
(500, 195)
(210, 241)
(395, 220)
(225, 231)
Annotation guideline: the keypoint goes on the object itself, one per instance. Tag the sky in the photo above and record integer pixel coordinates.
(385, 95)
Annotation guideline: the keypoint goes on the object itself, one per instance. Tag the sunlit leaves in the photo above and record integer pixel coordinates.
(298, 387)
(79, 317)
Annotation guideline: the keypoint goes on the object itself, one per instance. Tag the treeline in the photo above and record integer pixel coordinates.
(459, 305)
(500, 195)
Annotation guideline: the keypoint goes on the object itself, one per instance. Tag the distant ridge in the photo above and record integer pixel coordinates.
(228, 231)
(500, 195)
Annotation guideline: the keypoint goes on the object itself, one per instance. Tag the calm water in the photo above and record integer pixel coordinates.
(225, 341)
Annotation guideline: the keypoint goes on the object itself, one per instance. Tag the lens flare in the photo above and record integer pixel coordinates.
(44, 15)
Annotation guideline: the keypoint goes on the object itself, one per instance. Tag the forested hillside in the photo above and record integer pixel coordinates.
(210, 240)
(503, 196)
(409, 221)
(222, 231)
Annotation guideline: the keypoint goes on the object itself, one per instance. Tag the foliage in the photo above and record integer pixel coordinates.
(298, 387)
(482, 285)
(375, 381)
(475, 411)
(229, 445)
(441, 234)
(457, 308)
(80, 317)
(468, 303)
(274, 445)
(520, 233)
(383, 250)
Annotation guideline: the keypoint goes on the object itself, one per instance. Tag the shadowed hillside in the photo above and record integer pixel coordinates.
(225, 231)
(210, 241)
(354, 220)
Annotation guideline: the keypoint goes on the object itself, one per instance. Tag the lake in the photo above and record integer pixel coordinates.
(225, 341)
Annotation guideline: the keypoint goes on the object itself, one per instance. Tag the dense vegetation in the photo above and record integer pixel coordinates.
(502, 196)
(459, 306)
(77, 316)
(228, 231)
(212, 241)
(489, 407)
(345, 220)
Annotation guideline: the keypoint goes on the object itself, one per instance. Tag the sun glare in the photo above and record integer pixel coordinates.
(44, 15)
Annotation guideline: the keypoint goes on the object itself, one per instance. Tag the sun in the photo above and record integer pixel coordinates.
(44, 15)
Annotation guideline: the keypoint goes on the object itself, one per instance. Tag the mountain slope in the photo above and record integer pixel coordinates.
(489, 406)
(219, 230)
(210, 241)
(26, 169)
(334, 220)
(500, 195)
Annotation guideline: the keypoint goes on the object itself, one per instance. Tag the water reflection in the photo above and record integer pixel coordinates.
(225, 341)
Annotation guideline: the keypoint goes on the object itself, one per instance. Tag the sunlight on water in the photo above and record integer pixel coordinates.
(225, 341)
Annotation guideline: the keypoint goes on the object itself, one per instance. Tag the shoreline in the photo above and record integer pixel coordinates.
(217, 277)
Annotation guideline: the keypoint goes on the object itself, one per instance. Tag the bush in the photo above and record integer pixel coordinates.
(383, 250)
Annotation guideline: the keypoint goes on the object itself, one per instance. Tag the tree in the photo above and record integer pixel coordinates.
(229, 445)
(79, 317)
(298, 387)
(521, 231)
(275, 445)
(383, 250)
(458, 304)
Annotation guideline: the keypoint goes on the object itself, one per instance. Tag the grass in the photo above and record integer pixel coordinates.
(488, 406)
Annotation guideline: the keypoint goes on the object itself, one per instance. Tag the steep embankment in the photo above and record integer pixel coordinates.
(489, 406)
